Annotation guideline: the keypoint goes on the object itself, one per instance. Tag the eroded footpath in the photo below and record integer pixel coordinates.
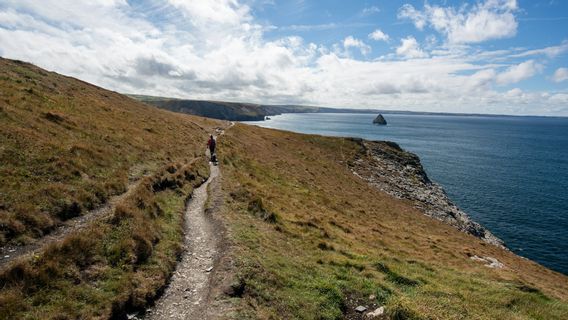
(187, 293)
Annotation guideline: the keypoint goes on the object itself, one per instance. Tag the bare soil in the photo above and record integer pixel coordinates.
(196, 289)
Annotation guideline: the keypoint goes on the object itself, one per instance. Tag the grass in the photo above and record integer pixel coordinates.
(66, 147)
(336, 241)
(310, 239)
(113, 266)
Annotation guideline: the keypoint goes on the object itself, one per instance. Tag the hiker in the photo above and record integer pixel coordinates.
(212, 144)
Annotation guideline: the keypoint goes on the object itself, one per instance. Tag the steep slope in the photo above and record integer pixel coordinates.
(313, 240)
(66, 148)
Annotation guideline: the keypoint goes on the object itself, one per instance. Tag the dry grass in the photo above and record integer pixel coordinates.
(336, 241)
(113, 266)
(67, 146)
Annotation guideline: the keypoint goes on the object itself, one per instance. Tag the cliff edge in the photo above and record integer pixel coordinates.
(399, 173)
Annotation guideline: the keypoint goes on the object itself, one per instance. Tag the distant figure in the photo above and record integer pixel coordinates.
(212, 144)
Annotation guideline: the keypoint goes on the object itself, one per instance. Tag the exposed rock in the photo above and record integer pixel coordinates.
(490, 262)
(376, 314)
(380, 120)
(361, 309)
(399, 173)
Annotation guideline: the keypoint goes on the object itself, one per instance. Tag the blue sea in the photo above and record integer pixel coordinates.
(508, 173)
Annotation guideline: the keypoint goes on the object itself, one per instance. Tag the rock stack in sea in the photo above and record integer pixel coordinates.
(380, 120)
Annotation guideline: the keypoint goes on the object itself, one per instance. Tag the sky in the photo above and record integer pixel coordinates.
(486, 56)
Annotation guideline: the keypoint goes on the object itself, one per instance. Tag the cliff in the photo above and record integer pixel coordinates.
(387, 167)
(222, 110)
(323, 225)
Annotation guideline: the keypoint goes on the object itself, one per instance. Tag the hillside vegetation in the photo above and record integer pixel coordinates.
(308, 238)
(66, 148)
(314, 241)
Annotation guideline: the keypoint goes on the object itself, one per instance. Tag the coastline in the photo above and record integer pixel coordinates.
(497, 170)
(399, 173)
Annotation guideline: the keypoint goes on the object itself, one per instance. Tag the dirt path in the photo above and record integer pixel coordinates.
(11, 253)
(186, 295)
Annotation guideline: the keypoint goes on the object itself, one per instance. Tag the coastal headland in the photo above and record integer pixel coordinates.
(310, 227)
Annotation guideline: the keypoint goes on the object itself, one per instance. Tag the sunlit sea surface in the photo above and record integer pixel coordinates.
(508, 173)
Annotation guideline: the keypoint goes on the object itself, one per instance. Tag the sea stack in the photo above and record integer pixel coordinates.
(380, 120)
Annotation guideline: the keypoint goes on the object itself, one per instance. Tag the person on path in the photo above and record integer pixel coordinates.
(212, 144)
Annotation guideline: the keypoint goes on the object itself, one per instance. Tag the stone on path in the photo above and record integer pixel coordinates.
(361, 309)
(377, 313)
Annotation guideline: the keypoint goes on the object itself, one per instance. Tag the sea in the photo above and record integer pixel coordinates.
(508, 173)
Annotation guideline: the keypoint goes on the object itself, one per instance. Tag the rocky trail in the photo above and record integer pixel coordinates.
(186, 295)
(9, 253)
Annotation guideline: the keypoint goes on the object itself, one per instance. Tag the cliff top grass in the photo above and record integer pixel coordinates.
(313, 241)
(67, 146)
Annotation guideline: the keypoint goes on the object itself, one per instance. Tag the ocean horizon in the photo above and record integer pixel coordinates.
(509, 173)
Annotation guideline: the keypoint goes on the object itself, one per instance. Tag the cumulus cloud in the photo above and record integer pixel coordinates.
(518, 72)
(379, 35)
(409, 48)
(217, 50)
(489, 20)
(351, 42)
(561, 74)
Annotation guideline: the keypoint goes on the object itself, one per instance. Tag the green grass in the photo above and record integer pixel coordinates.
(336, 241)
(67, 147)
(113, 266)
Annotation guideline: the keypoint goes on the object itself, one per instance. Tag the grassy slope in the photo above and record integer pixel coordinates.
(313, 241)
(66, 147)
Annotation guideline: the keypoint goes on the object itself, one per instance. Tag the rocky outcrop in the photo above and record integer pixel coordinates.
(399, 173)
(380, 120)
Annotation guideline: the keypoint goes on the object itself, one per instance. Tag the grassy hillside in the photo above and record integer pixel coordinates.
(310, 239)
(313, 241)
(66, 147)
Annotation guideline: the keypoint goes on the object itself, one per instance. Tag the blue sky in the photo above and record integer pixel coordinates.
(486, 56)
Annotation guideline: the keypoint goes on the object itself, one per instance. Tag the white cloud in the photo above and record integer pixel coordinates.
(217, 50)
(409, 48)
(518, 72)
(379, 35)
(370, 10)
(213, 13)
(550, 52)
(408, 11)
(561, 74)
(351, 42)
(489, 20)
